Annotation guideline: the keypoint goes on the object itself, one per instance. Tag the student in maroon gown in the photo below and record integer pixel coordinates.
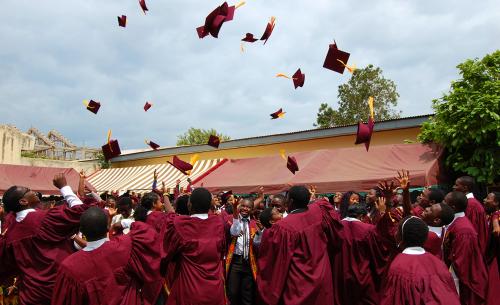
(427, 199)
(36, 241)
(492, 206)
(125, 270)
(436, 217)
(475, 210)
(416, 277)
(463, 255)
(198, 242)
(295, 253)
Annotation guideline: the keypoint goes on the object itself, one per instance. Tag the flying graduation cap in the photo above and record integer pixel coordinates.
(291, 162)
(298, 78)
(92, 106)
(278, 114)
(182, 166)
(111, 149)
(122, 21)
(364, 132)
(269, 29)
(152, 144)
(214, 141)
(147, 106)
(142, 3)
(249, 38)
(336, 59)
(216, 18)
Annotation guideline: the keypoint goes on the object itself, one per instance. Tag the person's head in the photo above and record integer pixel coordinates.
(337, 198)
(279, 202)
(457, 200)
(415, 197)
(151, 202)
(430, 197)
(124, 206)
(200, 201)
(270, 216)
(94, 224)
(18, 198)
(372, 195)
(438, 215)
(348, 199)
(412, 232)
(111, 202)
(181, 205)
(216, 201)
(298, 197)
(464, 184)
(245, 207)
(356, 211)
(492, 202)
(227, 198)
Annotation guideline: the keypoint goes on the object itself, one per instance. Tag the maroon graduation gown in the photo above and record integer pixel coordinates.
(294, 257)
(433, 245)
(417, 280)
(358, 267)
(493, 254)
(461, 251)
(34, 248)
(198, 247)
(477, 216)
(125, 270)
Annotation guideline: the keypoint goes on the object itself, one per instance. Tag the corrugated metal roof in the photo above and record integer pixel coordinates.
(317, 133)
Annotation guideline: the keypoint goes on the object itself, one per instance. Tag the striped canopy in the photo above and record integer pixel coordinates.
(140, 178)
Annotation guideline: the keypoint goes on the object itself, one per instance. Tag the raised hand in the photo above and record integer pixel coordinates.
(59, 181)
(386, 188)
(155, 175)
(404, 179)
(380, 204)
(82, 174)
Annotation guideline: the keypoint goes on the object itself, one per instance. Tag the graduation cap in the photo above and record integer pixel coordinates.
(152, 144)
(277, 114)
(142, 3)
(225, 196)
(122, 21)
(249, 38)
(147, 106)
(291, 162)
(269, 29)
(182, 166)
(214, 141)
(364, 132)
(92, 106)
(298, 78)
(111, 149)
(336, 59)
(216, 18)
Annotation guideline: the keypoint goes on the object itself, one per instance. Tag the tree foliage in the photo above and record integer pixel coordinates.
(102, 161)
(467, 120)
(353, 96)
(196, 136)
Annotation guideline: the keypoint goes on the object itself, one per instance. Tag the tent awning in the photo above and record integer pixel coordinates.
(140, 178)
(341, 169)
(38, 179)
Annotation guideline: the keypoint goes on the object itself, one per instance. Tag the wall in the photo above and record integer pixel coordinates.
(88, 166)
(12, 141)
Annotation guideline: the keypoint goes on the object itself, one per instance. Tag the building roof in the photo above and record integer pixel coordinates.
(318, 133)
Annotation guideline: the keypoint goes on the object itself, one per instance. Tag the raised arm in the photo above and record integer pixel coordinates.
(81, 184)
(404, 183)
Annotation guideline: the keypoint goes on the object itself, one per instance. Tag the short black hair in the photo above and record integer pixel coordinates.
(148, 200)
(467, 181)
(279, 197)
(11, 199)
(181, 205)
(200, 199)
(356, 210)
(94, 224)
(447, 214)
(458, 201)
(413, 231)
(436, 195)
(265, 217)
(125, 202)
(300, 196)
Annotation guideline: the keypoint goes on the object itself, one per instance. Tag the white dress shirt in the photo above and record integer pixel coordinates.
(236, 231)
(200, 216)
(351, 219)
(437, 230)
(469, 195)
(414, 251)
(92, 245)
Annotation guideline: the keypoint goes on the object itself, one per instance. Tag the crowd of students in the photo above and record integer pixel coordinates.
(290, 248)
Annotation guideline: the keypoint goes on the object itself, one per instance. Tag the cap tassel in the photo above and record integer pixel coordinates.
(109, 140)
(351, 69)
(370, 104)
(240, 4)
(283, 75)
(283, 154)
(242, 47)
(86, 104)
(194, 158)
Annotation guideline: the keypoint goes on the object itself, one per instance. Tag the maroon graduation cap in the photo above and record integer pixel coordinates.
(336, 59)
(152, 144)
(298, 79)
(122, 21)
(142, 3)
(182, 166)
(147, 106)
(93, 106)
(277, 114)
(214, 141)
(292, 165)
(215, 19)
(269, 29)
(364, 133)
(249, 38)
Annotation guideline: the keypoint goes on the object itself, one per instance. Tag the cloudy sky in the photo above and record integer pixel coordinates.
(55, 54)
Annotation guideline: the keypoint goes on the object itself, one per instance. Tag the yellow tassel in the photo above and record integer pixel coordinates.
(240, 4)
(283, 154)
(109, 140)
(194, 158)
(351, 69)
(283, 75)
(86, 104)
(370, 104)
(242, 48)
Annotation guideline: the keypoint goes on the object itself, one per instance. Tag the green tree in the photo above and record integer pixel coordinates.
(196, 136)
(353, 96)
(102, 161)
(467, 120)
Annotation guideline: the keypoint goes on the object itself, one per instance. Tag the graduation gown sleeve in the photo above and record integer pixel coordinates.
(477, 216)
(61, 223)
(67, 291)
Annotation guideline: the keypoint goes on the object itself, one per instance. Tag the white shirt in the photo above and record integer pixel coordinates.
(351, 219)
(257, 239)
(285, 214)
(92, 245)
(414, 251)
(437, 230)
(22, 214)
(200, 216)
(469, 195)
(236, 230)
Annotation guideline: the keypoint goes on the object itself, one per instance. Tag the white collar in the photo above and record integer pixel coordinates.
(469, 195)
(457, 215)
(351, 219)
(22, 214)
(285, 214)
(437, 230)
(92, 245)
(200, 216)
(414, 251)
(149, 212)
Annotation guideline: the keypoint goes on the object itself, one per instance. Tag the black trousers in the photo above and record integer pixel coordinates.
(241, 285)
